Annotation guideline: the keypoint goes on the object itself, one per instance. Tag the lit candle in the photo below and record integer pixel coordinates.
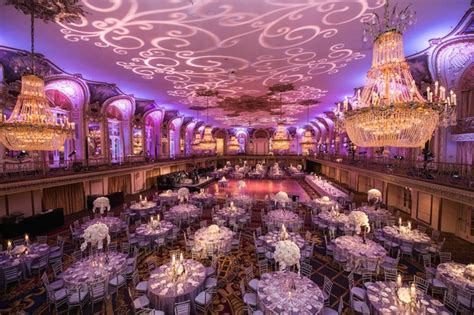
(173, 259)
(27, 238)
(399, 221)
(399, 280)
(409, 225)
(454, 99)
(140, 197)
(346, 103)
(158, 217)
(9, 244)
(181, 258)
(436, 88)
(413, 290)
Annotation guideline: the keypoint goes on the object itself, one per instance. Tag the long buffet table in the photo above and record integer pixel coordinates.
(324, 187)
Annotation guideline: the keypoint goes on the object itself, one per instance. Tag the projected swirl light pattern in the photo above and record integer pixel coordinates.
(238, 47)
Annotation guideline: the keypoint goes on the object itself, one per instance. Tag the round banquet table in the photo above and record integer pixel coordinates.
(202, 197)
(358, 253)
(163, 293)
(111, 222)
(212, 242)
(383, 299)
(272, 238)
(184, 212)
(452, 275)
(168, 196)
(231, 213)
(322, 204)
(375, 215)
(23, 257)
(96, 267)
(410, 236)
(277, 294)
(143, 206)
(288, 218)
(151, 233)
(242, 200)
(333, 218)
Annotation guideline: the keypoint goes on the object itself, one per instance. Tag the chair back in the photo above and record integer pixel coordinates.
(58, 268)
(306, 269)
(263, 266)
(97, 289)
(340, 307)
(327, 286)
(421, 284)
(76, 256)
(182, 308)
(444, 257)
(390, 274)
(350, 279)
(451, 302)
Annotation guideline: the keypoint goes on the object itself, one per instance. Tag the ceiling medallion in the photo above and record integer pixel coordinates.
(390, 111)
(32, 126)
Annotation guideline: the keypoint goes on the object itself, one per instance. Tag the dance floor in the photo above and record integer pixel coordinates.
(258, 188)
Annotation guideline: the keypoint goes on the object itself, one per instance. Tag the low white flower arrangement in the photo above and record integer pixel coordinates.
(287, 254)
(241, 184)
(404, 295)
(223, 179)
(213, 229)
(359, 219)
(326, 199)
(469, 272)
(95, 235)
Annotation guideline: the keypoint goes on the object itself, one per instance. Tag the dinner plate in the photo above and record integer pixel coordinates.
(431, 310)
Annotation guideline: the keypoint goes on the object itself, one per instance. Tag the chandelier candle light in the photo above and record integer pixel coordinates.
(390, 111)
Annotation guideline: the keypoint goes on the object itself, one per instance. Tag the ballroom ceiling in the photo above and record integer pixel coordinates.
(167, 49)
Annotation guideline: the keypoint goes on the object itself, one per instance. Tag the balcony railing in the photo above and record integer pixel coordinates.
(22, 169)
(450, 174)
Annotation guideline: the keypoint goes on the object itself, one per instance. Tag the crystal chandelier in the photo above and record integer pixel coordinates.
(207, 143)
(233, 145)
(280, 140)
(390, 111)
(32, 126)
(196, 141)
(307, 143)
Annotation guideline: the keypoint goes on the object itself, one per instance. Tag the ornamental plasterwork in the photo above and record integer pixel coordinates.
(175, 45)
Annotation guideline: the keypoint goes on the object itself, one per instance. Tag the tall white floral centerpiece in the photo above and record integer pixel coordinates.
(287, 254)
(469, 272)
(95, 235)
(101, 204)
(282, 198)
(360, 221)
(241, 184)
(183, 194)
(374, 197)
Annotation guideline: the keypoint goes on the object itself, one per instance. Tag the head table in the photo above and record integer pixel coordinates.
(384, 299)
(95, 267)
(403, 234)
(280, 217)
(213, 239)
(454, 276)
(164, 293)
(23, 257)
(288, 293)
(272, 238)
(154, 230)
(357, 252)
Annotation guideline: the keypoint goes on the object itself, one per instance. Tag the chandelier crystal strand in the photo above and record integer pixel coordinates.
(32, 126)
(390, 111)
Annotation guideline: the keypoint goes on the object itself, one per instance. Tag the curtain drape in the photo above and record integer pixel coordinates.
(120, 184)
(69, 197)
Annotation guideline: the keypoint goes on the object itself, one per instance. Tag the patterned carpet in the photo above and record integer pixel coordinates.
(30, 298)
